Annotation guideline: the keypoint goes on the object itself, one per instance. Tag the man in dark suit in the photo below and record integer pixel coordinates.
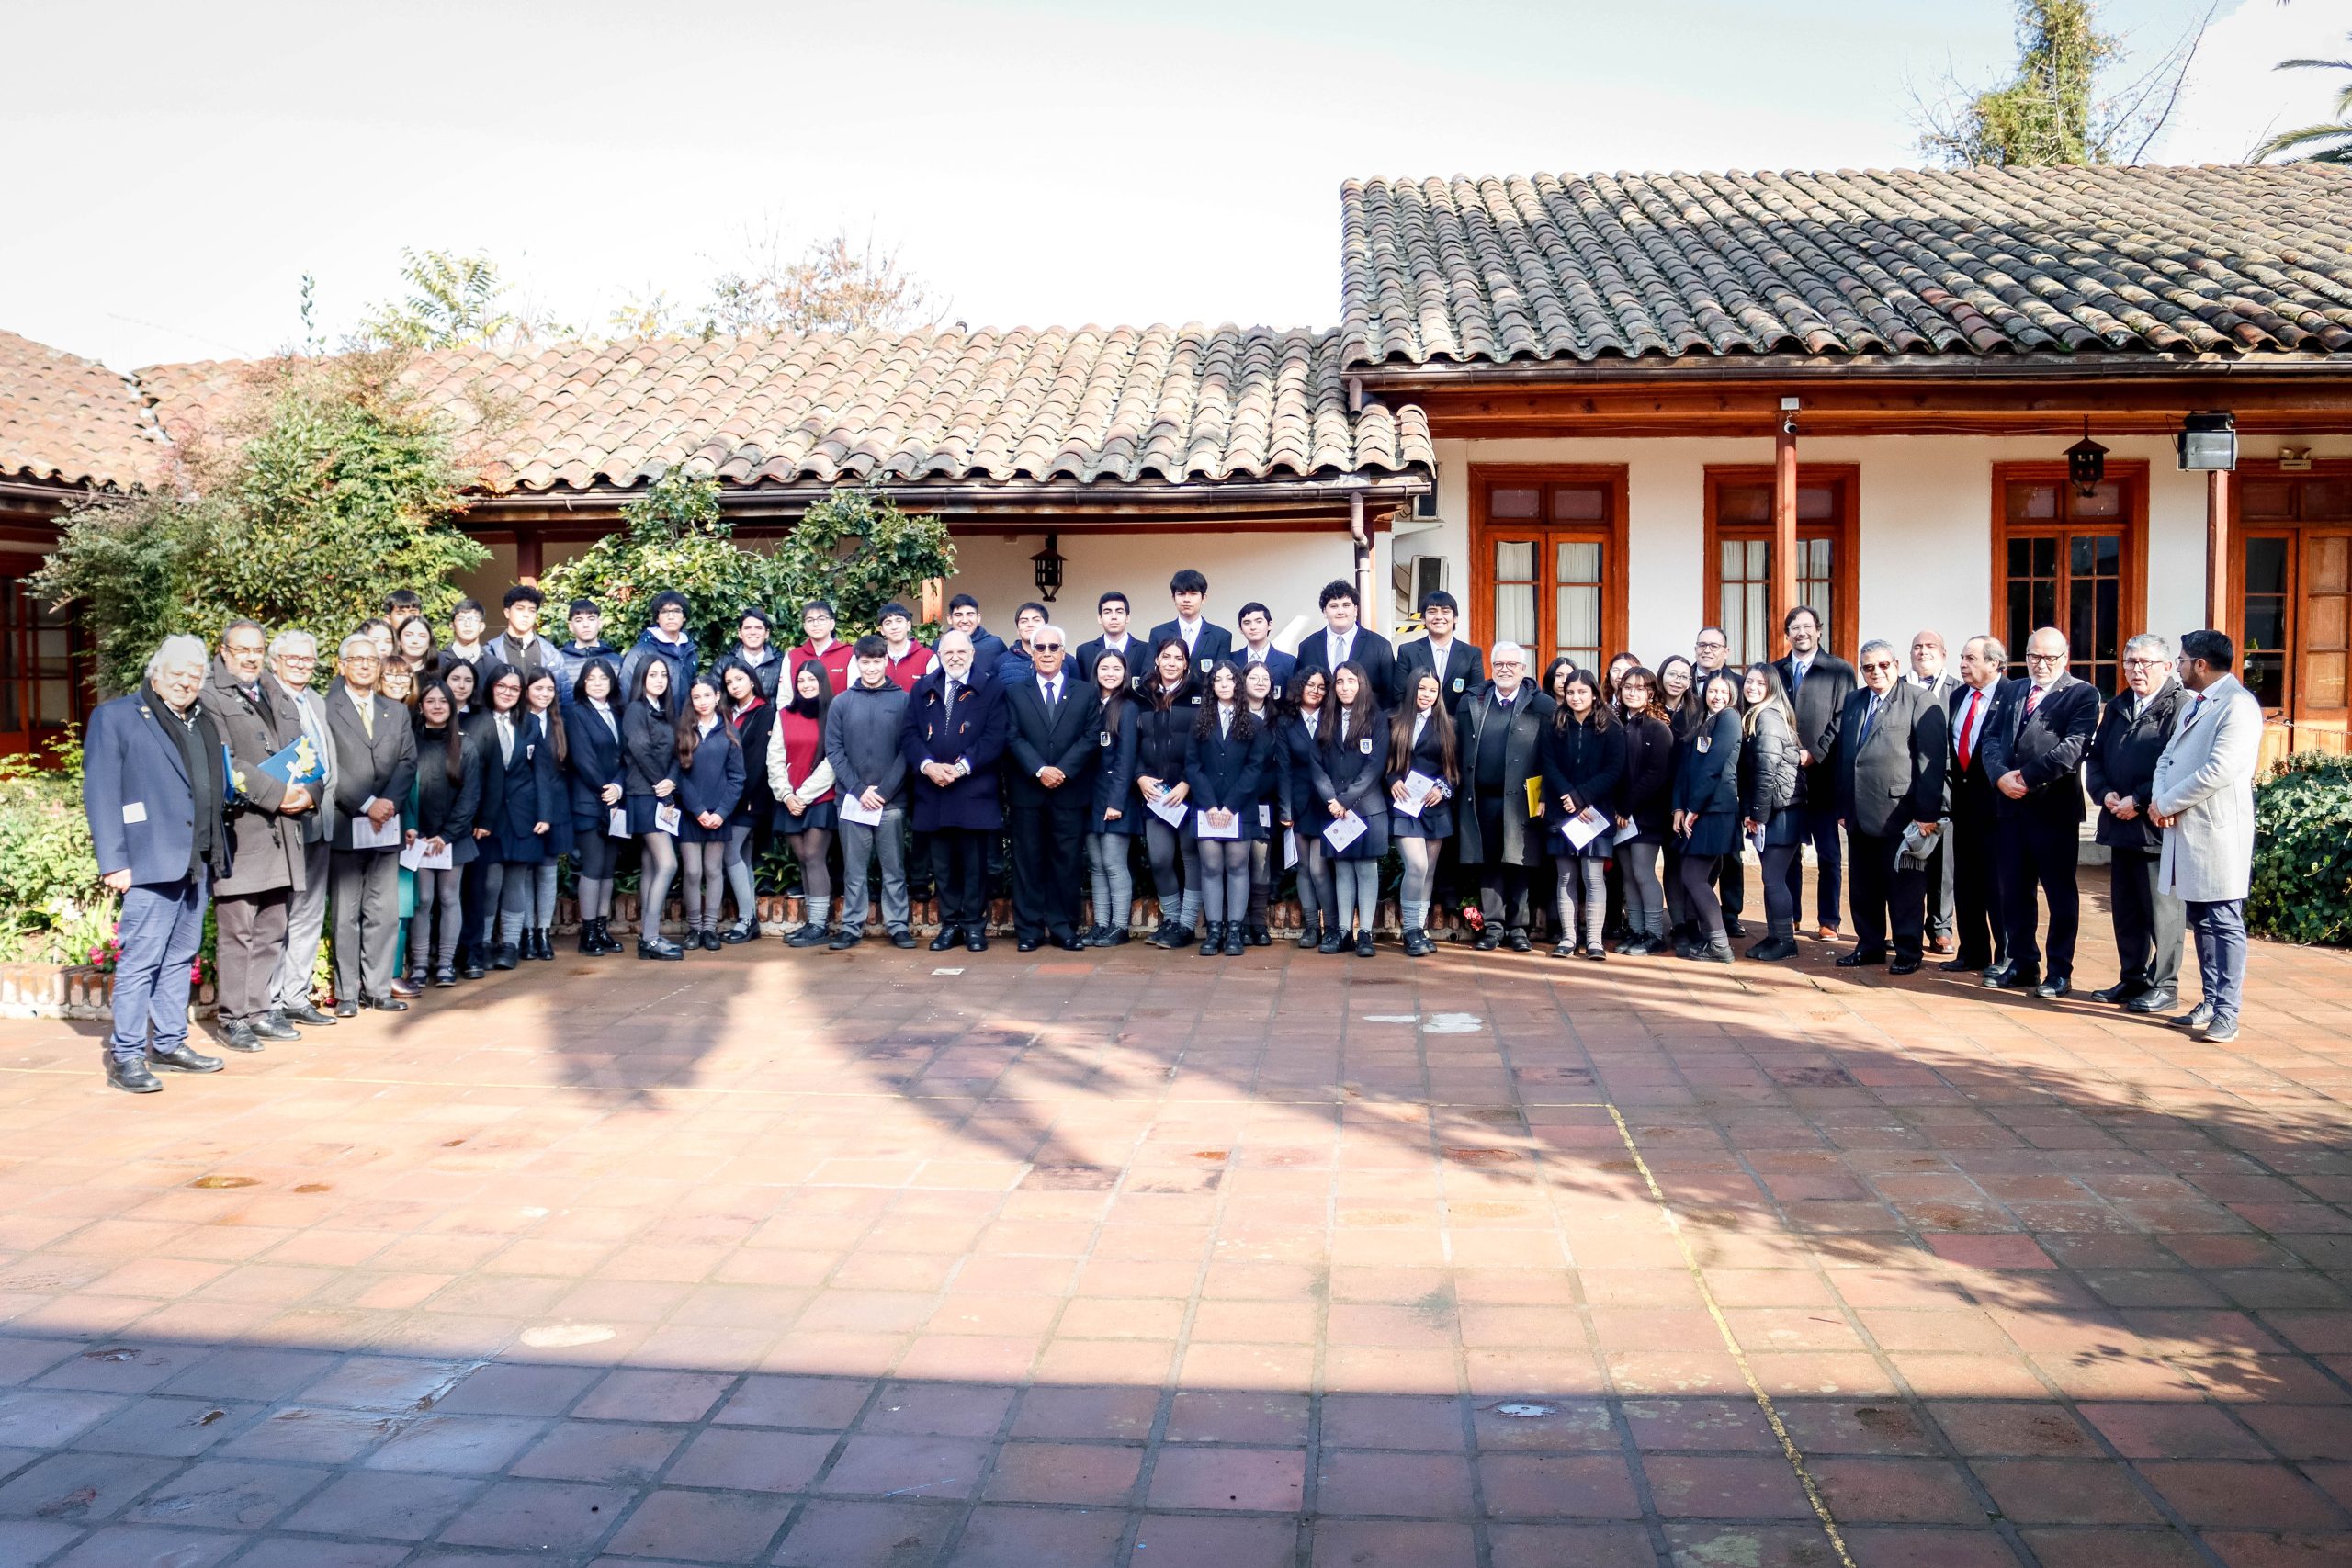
(2121, 770)
(2034, 746)
(375, 764)
(1112, 610)
(1460, 669)
(1927, 673)
(1208, 645)
(1257, 624)
(1974, 855)
(1052, 720)
(1893, 741)
(251, 900)
(155, 789)
(1343, 639)
(1502, 840)
(955, 736)
(1817, 682)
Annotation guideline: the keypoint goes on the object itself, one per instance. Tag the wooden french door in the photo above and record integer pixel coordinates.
(2076, 562)
(44, 667)
(1548, 562)
(2294, 611)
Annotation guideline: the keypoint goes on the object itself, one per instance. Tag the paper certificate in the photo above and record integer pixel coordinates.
(853, 809)
(1585, 827)
(1418, 788)
(1290, 848)
(365, 835)
(416, 857)
(1627, 831)
(1232, 828)
(1344, 831)
(1170, 812)
(666, 819)
(616, 823)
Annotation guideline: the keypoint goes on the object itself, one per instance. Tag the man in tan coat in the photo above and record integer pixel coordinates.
(2204, 799)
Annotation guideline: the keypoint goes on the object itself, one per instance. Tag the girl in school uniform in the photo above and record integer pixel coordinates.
(594, 783)
(710, 785)
(1645, 804)
(1706, 814)
(1309, 804)
(1353, 743)
(448, 793)
(753, 718)
(1420, 740)
(802, 782)
(522, 797)
(1768, 785)
(1681, 709)
(649, 790)
(1114, 826)
(1163, 739)
(547, 713)
(1584, 768)
(1225, 766)
(1264, 703)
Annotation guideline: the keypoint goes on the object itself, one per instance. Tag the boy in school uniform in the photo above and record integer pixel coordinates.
(1112, 610)
(1208, 645)
(863, 731)
(1257, 625)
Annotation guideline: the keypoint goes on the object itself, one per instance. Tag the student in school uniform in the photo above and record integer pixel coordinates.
(1263, 697)
(1309, 804)
(540, 699)
(863, 732)
(1344, 640)
(1769, 772)
(1257, 647)
(1645, 804)
(1584, 768)
(1354, 749)
(1420, 740)
(521, 799)
(821, 646)
(594, 782)
(649, 797)
(752, 717)
(988, 648)
(756, 651)
(1113, 824)
(710, 785)
(905, 660)
(1111, 611)
(1205, 646)
(807, 811)
(1706, 812)
(1171, 700)
(1225, 767)
(448, 793)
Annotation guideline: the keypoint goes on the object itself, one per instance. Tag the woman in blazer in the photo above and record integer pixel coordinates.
(1309, 786)
(1113, 824)
(546, 709)
(1645, 804)
(1706, 814)
(448, 793)
(1171, 701)
(1225, 766)
(801, 780)
(649, 793)
(1353, 745)
(1584, 769)
(1681, 707)
(1263, 697)
(1420, 740)
(1768, 783)
(753, 716)
(710, 785)
(595, 775)
(522, 796)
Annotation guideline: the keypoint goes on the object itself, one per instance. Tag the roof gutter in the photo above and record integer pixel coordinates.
(799, 496)
(1474, 373)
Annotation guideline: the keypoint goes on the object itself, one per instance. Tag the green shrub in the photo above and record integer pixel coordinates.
(53, 909)
(2302, 850)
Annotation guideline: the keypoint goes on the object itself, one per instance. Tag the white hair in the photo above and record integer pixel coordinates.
(291, 639)
(180, 648)
(360, 643)
(2161, 645)
(1495, 654)
(1052, 631)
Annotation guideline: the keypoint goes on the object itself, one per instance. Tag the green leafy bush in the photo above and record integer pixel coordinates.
(53, 908)
(2302, 850)
(857, 551)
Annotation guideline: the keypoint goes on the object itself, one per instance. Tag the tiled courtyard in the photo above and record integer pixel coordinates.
(1130, 1258)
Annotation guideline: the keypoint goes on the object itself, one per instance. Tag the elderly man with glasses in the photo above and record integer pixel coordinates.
(2150, 926)
(293, 662)
(375, 766)
(1892, 740)
(1501, 832)
(2034, 745)
(250, 898)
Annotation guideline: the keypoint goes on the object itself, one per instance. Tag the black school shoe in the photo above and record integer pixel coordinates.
(1363, 945)
(1233, 942)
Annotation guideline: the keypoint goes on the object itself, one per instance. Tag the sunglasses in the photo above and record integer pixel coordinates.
(1045, 647)
(1878, 664)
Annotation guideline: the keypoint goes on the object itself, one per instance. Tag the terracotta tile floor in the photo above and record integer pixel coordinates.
(801, 1259)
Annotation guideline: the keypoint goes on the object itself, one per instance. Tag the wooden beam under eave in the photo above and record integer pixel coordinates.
(2217, 550)
(1784, 587)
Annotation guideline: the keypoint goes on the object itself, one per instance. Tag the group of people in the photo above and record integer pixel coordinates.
(453, 777)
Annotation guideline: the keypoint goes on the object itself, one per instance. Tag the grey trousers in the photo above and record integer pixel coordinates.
(366, 923)
(252, 927)
(861, 845)
(306, 919)
(436, 891)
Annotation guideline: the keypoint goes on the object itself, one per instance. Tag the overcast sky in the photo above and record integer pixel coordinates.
(175, 169)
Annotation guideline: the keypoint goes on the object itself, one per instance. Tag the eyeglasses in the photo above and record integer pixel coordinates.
(2045, 659)
(2146, 663)
(1870, 664)
(300, 658)
(1511, 664)
(1707, 644)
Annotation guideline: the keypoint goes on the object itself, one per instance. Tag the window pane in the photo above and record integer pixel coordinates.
(1744, 503)
(1579, 503)
(12, 716)
(1577, 630)
(1514, 561)
(2045, 558)
(1515, 502)
(2265, 566)
(1817, 504)
(1752, 641)
(56, 698)
(1515, 613)
(2104, 501)
(2031, 502)
(2327, 501)
(2267, 499)
(1578, 561)
(2266, 622)
(2266, 677)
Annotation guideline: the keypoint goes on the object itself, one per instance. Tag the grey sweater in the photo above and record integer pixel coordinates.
(862, 731)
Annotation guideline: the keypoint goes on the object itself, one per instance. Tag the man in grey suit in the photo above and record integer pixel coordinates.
(1927, 673)
(251, 896)
(1892, 741)
(293, 660)
(375, 765)
(2204, 799)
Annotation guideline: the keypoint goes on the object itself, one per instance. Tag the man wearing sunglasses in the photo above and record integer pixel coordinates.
(1051, 742)
(2034, 745)
(1893, 737)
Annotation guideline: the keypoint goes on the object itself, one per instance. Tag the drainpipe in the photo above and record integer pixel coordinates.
(1363, 542)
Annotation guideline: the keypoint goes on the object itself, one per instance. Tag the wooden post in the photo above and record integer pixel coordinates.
(526, 557)
(2217, 550)
(1784, 527)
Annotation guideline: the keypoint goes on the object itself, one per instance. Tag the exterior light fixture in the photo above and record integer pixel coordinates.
(2208, 443)
(2086, 463)
(1048, 564)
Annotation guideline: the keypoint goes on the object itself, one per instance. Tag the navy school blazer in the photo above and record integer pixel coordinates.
(1228, 772)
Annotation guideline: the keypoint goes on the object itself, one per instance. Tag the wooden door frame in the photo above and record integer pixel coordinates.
(1478, 612)
(2239, 528)
(2132, 611)
(1845, 533)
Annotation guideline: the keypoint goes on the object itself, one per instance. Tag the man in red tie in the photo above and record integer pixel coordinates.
(1983, 944)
